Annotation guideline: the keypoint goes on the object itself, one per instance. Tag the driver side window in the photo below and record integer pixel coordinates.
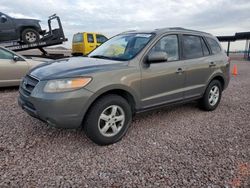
(5, 54)
(168, 44)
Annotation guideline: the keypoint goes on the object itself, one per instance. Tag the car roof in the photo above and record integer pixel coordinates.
(89, 33)
(168, 29)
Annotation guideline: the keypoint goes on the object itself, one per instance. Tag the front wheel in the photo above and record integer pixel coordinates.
(108, 119)
(212, 96)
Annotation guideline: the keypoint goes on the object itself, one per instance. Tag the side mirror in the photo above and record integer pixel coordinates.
(16, 58)
(157, 57)
(3, 18)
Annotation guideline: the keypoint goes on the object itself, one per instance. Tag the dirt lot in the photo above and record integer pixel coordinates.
(180, 146)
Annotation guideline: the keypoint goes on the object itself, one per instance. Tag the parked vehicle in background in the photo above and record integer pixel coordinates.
(85, 42)
(51, 37)
(13, 67)
(24, 30)
(101, 92)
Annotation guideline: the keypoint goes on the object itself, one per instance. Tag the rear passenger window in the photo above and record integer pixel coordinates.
(215, 47)
(192, 47)
(168, 44)
(90, 38)
(204, 47)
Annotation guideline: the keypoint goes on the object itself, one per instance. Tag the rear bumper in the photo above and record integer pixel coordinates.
(61, 110)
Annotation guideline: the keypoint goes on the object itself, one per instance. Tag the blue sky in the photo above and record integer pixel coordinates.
(219, 17)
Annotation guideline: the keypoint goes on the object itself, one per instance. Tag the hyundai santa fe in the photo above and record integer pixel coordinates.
(132, 72)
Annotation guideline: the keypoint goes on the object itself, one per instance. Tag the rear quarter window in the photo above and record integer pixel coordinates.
(214, 45)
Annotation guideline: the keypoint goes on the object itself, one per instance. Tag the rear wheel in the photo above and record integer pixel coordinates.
(30, 36)
(108, 120)
(212, 96)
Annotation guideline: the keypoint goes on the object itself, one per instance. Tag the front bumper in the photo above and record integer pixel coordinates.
(62, 110)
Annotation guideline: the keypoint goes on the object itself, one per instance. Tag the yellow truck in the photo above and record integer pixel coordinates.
(85, 42)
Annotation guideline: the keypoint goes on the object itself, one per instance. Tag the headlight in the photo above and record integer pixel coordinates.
(67, 84)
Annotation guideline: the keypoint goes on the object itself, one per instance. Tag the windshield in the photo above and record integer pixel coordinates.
(122, 47)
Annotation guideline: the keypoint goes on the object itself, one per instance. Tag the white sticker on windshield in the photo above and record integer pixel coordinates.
(143, 35)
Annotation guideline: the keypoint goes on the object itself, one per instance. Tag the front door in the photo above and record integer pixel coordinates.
(7, 28)
(11, 71)
(163, 82)
(90, 43)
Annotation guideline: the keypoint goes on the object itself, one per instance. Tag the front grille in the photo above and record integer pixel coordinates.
(28, 84)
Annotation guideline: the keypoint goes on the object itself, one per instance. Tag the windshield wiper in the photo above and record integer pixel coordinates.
(100, 57)
(106, 57)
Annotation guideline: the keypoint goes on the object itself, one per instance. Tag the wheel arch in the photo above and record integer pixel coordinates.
(22, 28)
(218, 77)
(121, 91)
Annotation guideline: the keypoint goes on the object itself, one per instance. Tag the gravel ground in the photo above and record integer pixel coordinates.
(180, 146)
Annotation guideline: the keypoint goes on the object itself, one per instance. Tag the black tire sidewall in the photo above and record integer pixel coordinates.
(205, 100)
(29, 30)
(92, 118)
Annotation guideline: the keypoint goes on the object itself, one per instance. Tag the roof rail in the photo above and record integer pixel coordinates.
(128, 31)
(180, 28)
(184, 29)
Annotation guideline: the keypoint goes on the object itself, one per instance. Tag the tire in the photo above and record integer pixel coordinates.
(104, 124)
(30, 36)
(212, 96)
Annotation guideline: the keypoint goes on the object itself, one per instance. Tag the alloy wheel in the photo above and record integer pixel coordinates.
(214, 95)
(111, 121)
(30, 37)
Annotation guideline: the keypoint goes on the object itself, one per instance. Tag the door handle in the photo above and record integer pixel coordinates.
(212, 64)
(179, 70)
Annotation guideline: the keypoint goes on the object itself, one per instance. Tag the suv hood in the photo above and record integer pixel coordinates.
(23, 20)
(72, 67)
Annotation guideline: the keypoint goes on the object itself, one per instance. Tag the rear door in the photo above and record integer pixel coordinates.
(196, 56)
(11, 71)
(163, 82)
